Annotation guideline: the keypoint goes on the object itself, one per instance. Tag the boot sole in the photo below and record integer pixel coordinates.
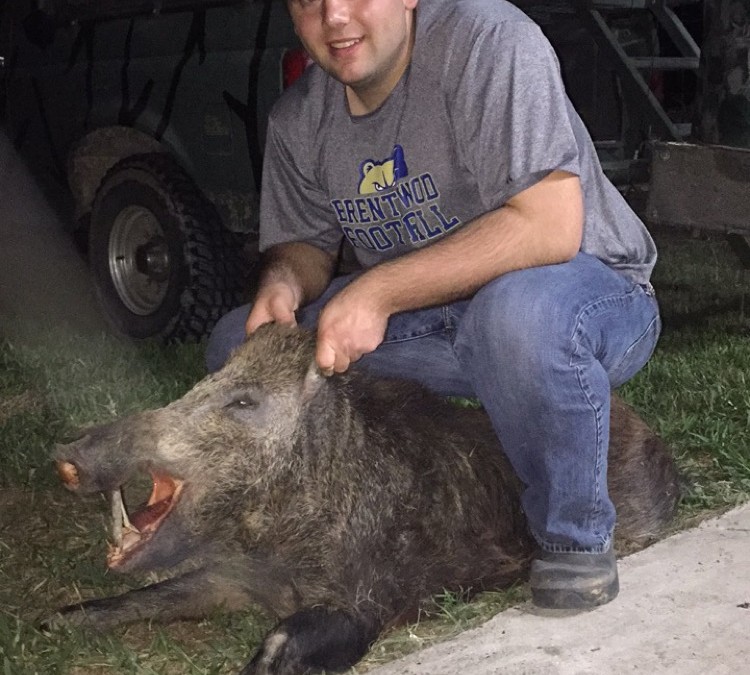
(577, 599)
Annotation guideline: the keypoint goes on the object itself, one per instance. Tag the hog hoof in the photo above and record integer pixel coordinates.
(313, 640)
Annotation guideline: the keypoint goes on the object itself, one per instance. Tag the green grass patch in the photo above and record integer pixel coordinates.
(694, 390)
(61, 384)
(52, 545)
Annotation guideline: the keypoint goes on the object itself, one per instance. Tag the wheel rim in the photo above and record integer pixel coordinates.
(139, 261)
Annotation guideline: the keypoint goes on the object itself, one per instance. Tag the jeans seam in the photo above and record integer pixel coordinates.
(607, 301)
(611, 301)
(576, 339)
(434, 327)
(594, 518)
(448, 323)
(626, 354)
(412, 336)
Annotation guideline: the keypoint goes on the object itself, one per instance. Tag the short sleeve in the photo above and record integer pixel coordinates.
(510, 111)
(293, 206)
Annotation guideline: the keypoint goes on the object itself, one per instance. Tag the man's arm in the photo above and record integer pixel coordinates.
(540, 226)
(293, 275)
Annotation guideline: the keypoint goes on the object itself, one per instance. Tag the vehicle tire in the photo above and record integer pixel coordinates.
(162, 262)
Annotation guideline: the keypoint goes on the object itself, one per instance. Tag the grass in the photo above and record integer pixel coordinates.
(694, 393)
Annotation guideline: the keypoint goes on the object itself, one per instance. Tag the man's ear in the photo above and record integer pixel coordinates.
(313, 381)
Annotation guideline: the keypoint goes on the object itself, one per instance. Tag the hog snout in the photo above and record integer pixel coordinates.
(75, 472)
(98, 462)
(68, 474)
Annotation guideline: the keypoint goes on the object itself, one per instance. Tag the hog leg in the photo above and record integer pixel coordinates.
(192, 595)
(314, 640)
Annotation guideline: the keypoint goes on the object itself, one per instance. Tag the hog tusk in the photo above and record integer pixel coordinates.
(117, 509)
(120, 520)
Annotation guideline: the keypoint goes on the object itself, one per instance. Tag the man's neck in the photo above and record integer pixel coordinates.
(365, 102)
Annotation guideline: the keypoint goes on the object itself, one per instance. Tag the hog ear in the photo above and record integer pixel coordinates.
(313, 381)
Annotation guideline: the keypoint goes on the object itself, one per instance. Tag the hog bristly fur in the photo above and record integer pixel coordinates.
(336, 503)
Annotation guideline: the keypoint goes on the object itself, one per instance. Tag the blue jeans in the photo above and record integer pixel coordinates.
(541, 349)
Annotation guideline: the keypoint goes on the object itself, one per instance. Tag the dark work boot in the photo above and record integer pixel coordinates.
(574, 581)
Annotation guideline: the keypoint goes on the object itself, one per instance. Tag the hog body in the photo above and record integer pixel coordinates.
(338, 504)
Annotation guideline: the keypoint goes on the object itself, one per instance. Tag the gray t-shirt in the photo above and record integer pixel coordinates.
(480, 115)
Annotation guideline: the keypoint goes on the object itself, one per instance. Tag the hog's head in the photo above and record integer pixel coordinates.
(211, 454)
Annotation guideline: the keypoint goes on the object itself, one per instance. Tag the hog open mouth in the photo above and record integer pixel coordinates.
(132, 532)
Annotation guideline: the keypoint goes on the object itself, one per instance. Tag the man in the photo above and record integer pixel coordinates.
(435, 137)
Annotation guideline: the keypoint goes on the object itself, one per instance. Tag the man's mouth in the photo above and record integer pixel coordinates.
(344, 44)
(133, 531)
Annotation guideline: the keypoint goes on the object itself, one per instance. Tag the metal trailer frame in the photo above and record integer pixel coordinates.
(693, 185)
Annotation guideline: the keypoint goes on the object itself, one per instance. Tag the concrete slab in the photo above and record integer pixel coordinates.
(684, 607)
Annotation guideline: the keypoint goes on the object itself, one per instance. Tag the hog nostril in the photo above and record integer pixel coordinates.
(68, 474)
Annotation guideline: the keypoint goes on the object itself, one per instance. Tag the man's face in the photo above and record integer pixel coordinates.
(365, 44)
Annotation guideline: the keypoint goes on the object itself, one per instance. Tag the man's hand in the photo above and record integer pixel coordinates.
(293, 275)
(352, 324)
(275, 303)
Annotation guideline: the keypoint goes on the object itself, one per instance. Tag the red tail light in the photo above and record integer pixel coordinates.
(293, 64)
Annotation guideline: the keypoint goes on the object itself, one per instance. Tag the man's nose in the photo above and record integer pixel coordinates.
(336, 12)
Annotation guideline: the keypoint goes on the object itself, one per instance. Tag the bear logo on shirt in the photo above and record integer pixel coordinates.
(376, 176)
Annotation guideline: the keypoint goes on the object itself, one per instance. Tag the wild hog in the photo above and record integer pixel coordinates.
(338, 504)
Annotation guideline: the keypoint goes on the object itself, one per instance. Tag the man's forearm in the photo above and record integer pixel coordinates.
(542, 228)
(304, 268)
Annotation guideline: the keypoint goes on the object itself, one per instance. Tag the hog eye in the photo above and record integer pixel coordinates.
(242, 403)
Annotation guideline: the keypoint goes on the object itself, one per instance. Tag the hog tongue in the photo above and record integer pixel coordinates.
(150, 514)
(164, 490)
